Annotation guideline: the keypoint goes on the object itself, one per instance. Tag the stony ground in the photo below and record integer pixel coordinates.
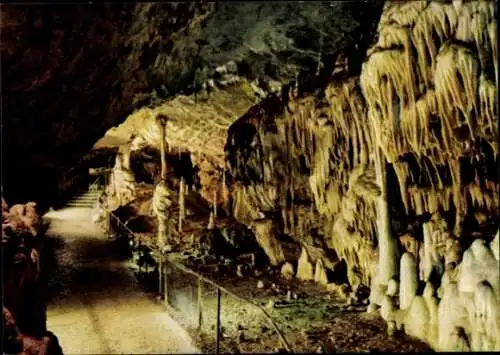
(312, 320)
(95, 304)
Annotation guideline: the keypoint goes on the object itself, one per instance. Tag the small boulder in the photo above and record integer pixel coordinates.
(305, 268)
(287, 271)
(260, 284)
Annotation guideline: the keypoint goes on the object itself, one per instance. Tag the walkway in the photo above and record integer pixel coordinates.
(95, 304)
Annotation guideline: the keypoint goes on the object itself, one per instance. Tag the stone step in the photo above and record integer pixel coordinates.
(85, 198)
(80, 205)
(90, 194)
(83, 201)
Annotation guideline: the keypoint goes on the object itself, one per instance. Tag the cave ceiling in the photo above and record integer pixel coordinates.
(71, 72)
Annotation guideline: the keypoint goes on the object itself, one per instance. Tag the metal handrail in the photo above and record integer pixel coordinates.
(95, 183)
(244, 300)
(187, 270)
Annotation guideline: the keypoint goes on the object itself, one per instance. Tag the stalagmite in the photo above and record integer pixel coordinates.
(287, 271)
(408, 281)
(478, 264)
(451, 312)
(393, 288)
(320, 275)
(417, 319)
(453, 253)
(305, 267)
(459, 340)
(485, 322)
(432, 305)
(121, 188)
(211, 221)
(388, 258)
(264, 231)
(387, 308)
(427, 259)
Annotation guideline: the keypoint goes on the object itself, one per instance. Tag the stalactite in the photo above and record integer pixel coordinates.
(492, 32)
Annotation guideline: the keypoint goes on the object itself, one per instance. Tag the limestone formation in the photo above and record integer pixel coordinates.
(484, 318)
(409, 282)
(405, 141)
(410, 244)
(265, 234)
(287, 271)
(417, 319)
(21, 218)
(305, 269)
(432, 306)
(211, 221)
(478, 264)
(387, 308)
(320, 275)
(122, 186)
(459, 339)
(393, 288)
(182, 209)
(495, 245)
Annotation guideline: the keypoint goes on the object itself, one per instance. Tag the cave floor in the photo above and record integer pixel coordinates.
(316, 321)
(94, 303)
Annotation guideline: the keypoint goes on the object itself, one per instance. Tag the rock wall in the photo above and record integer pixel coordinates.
(407, 146)
(24, 328)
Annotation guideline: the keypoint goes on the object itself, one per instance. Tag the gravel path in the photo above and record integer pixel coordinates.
(94, 303)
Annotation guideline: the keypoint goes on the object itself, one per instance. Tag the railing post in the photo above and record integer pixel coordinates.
(217, 343)
(161, 273)
(165, 280)
(200, 303)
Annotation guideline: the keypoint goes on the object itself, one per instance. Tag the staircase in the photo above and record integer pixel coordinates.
(84, 199)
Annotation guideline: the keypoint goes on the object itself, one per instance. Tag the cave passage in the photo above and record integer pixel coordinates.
(94, 302)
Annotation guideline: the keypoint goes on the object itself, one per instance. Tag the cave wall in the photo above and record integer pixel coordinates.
(419, 120)
(316, 152)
